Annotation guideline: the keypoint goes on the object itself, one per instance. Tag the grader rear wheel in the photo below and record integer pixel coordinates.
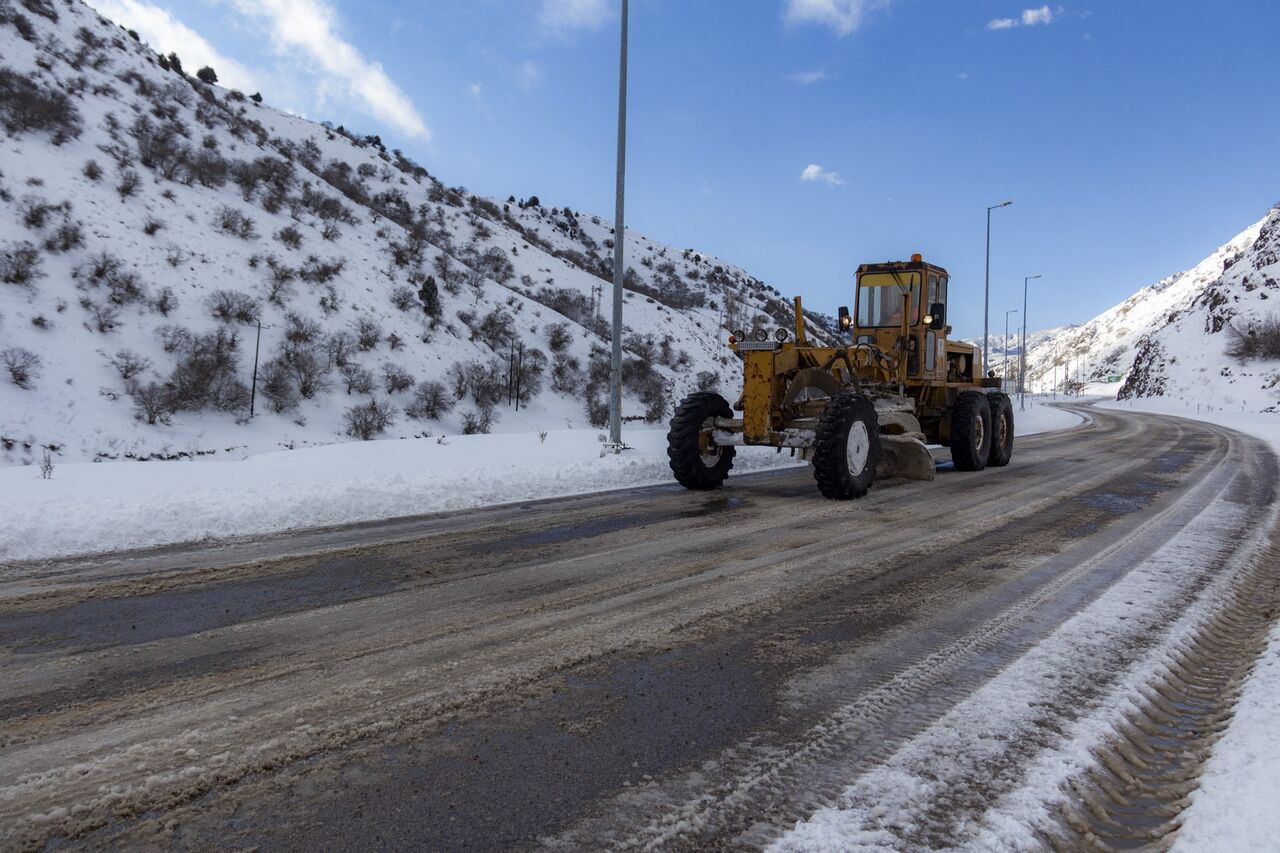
(847, 447)
(971, 431)
(1001, 431)
(697, 462)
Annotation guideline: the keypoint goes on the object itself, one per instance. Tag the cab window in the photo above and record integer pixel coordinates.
(880, 298)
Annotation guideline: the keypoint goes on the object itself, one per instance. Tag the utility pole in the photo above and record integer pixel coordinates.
(253, 393)
(1022, 374)
(619, 236)
(1004, 367)
(986, 290)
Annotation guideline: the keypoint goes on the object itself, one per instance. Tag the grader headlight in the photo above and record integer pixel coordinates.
(780, 336)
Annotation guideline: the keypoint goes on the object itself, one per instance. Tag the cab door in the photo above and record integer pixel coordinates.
(935, 340)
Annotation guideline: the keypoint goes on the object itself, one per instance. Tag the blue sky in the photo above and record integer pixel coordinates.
(1134, 136)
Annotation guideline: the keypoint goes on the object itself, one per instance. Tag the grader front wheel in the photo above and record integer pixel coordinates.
(846, 447)
(697, 462)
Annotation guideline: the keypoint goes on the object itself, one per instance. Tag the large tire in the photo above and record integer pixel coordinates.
(971, 431)
(847, 447)
(696, 463)
(1001, 430)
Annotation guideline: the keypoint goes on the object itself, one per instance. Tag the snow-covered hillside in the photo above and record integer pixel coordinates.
(1209, 333)
(150, 220)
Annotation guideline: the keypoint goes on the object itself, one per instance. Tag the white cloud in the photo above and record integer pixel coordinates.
(806, 78)
(167, 34)
(476, 90)
(562, 16)
(308, 29)
(962, 75)
(1029, 18)
(841, 16)
(814, 172)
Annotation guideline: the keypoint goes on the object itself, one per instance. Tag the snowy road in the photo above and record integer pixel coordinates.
(962, 662)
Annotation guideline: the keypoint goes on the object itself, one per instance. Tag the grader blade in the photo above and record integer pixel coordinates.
(904, 456)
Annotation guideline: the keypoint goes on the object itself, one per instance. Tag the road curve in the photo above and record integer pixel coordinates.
(649, 667)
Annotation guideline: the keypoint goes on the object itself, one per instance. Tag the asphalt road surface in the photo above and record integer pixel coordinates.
(650, 667)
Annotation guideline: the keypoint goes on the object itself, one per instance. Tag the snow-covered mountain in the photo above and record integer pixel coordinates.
(151, 220)
(1207, 334)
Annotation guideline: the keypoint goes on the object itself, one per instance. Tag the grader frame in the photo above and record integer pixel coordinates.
(862, 410)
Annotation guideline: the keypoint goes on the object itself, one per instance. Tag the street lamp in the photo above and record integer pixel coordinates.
(1022, 374)
(619, 236)
(986, 290)
(1004, 366)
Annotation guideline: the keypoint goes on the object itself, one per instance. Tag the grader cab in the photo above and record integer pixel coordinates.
(865, 409)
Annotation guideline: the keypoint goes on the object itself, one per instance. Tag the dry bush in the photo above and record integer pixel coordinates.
(367, 420)
(22, 364)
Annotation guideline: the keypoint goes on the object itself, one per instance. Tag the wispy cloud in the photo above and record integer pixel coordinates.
(841, 16)
(807, 78)
(1029, 18)
(167, 34)
(476, 90)
(815, 173)
(528, 75)
(563, 16)
(308, 30)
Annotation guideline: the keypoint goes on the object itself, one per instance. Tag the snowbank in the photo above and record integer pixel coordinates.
(94, 507)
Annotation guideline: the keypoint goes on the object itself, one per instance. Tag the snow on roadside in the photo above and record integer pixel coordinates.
(1040, 415)
(94, 507)
(1233, 808)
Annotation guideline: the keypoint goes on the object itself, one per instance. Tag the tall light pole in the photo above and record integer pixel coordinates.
(986, 290)
(1004, 349)
(1022, 374)
(619, 236)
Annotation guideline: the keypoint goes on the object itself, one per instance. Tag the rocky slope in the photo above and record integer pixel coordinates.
(150, 221)
(1210, 334)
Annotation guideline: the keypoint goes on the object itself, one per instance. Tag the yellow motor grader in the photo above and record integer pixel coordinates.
(863, 410)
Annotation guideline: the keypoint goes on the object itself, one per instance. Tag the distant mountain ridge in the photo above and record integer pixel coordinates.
(1180, 336)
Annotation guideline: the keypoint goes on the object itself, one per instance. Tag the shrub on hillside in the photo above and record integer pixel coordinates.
(128, 363)
(357, 379)
(566, 374)
(367, 420)
(477, 421)
(128, 185)
(368, 333)
(92, 170)
(430, 401)
(20, 264)
(395, 378)
(152, 402)
(558, 337)
(104, 316)
(276, 384)
(27, 106)
(228, 220)
(291, 237)
(207, 75)
(208, 373)
(22, 364)
(232, 306)
(1259, 339)
(403, 297)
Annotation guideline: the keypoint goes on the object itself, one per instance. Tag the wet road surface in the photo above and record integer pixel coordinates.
(646, 667)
